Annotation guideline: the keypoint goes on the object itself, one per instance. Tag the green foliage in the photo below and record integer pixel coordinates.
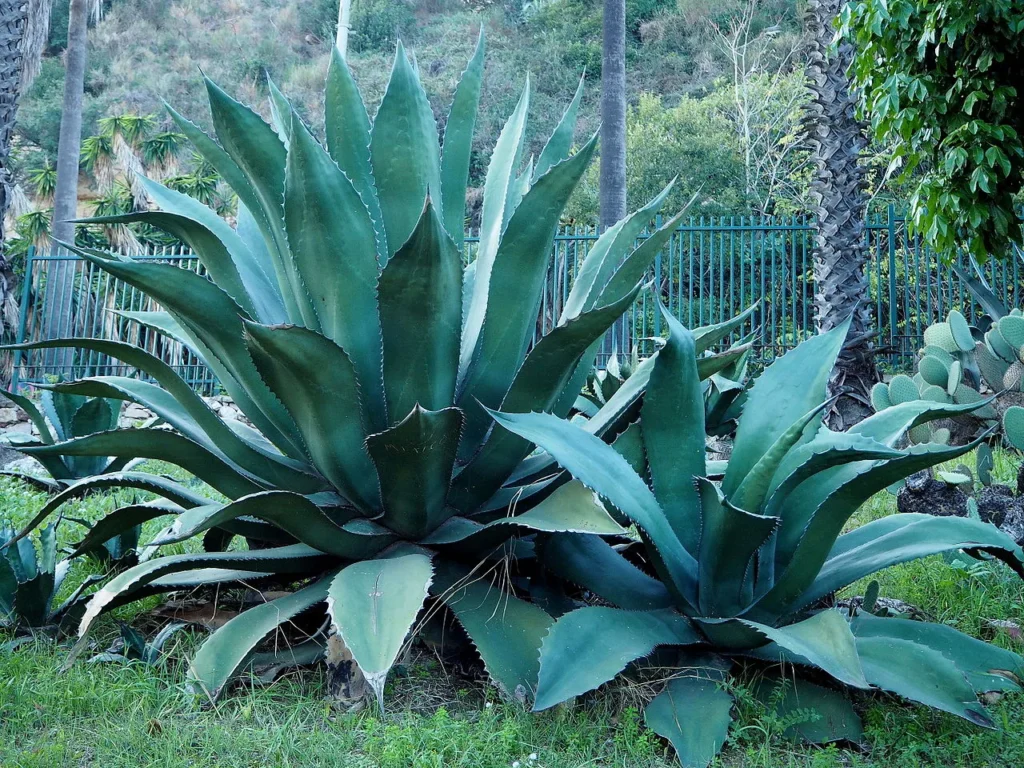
(369, 440)
(133, 646)
(747, 562)
(30, 578)
(942, 78)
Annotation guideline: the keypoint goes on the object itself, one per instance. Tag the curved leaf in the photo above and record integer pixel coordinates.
(559, 144)
(506, 631)
(228, 649)
(404, 152)
(159, 445)
(414, 461)
(589, 646)
(458, 144)
(373, 605)
(594, 564)
(316, 382)
(420, 296)
(348, 140)
(598, 466)
(693, 713)
(904, 537)
(332, 244)
(672, 419)
(920, 674)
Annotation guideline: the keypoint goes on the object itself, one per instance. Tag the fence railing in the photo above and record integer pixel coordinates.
(710, 270)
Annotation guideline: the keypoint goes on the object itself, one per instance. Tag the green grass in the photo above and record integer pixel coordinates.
(131, 716)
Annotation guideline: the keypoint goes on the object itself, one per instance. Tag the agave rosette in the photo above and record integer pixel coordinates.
(339, 317)
(742, 568)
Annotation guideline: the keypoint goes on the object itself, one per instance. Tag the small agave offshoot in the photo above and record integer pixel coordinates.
(742, 568)
(340, 318)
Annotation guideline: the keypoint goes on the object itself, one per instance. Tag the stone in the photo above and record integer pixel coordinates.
(10, 416)
(924, 494)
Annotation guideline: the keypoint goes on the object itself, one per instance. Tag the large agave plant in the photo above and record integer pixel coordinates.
(743, 568)
(340, 319)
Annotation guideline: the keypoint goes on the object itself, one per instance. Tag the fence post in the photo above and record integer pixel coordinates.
(26, 297)
(891, 212)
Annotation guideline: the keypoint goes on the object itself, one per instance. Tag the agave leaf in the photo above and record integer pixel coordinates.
(988, 667)
(332, 242)
(120, 520)
(161, 486)
(803, 566)
(191, 416)
(598, 466)
(920, 674)
(373, 605)
(514, 290)
(500, 177)
(506, 631)
(317, 382)
(673, 431)
(348, 140)
(829, 714)
(824, 641)
(261, 157)
(904, 537)
(729, 539)
(414, 461)
(164, 324)
(214, 323)
(420, 294)
(693, 713)
(589, 646)
(296, 558)
(280, 111)
(754, 488)
(404, 152)
(293, 514)
(458, 144)
(559, 144)
(29, 407)
(790, 387)
(605, 256)
(570, 508)
(224, 254)
(536, 386)
(635, 266)
(228, 649)
(159, 445)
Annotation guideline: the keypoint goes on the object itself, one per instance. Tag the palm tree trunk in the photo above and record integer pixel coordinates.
(59, 275)
(613, 113)
(612, 190)
(837, 193)
(344, 12)
(13, 19)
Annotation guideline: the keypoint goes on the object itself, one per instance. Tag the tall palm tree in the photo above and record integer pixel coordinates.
(344, 12)
(837, 139)
(24, 26)
(613, 113)
(59, 277)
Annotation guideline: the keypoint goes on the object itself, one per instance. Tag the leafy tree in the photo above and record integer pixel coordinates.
(941, 79)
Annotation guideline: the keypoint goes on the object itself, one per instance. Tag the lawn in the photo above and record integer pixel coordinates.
(129, 715)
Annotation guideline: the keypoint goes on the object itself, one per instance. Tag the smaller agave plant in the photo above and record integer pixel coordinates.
(67, 416)
(132, 646)
(30, 579)
(744, 569)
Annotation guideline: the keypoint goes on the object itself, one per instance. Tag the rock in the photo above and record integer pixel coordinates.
(26, 464)
(21, 428)
(924, 494)
(8, 456)
(997, 504)
(10, 416)
(135, 412)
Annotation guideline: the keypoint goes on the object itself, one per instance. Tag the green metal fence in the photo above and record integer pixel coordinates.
(710, 270)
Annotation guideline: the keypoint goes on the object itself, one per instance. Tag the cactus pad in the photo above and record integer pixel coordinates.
(1013, 426)
(880, 397)
(1012, 329)
(933, 370)
(960, 331)
(903, 390)
(993, 368)
(955, 374)
(1013, 376)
